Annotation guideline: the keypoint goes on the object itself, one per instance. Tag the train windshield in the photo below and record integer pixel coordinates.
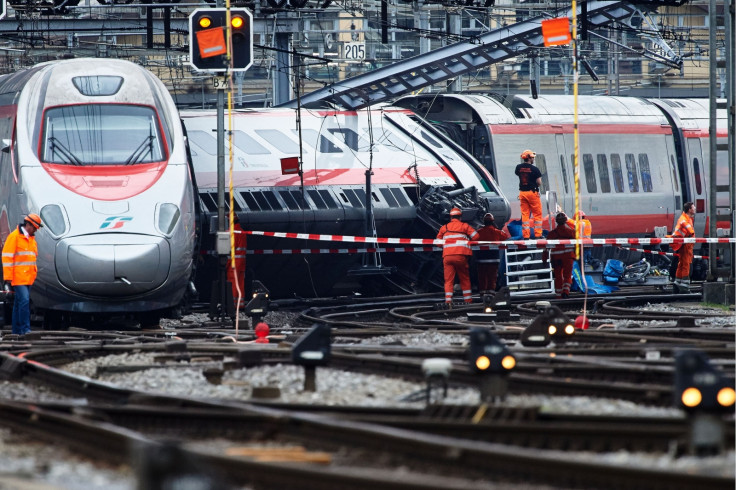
(101, 134)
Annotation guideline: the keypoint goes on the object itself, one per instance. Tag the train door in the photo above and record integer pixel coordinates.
(698, 184)
(564, 194)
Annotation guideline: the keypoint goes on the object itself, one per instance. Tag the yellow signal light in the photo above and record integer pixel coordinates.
(726, 397)
(552, 330)
(691, 397)
(237, 22)
(569, 329)
(205, 22)
(482, 363)
(508, 362)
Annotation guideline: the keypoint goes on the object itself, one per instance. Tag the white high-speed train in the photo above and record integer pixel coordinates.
(642, 159)
(96, 147)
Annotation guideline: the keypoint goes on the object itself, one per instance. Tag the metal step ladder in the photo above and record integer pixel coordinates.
(527, 274)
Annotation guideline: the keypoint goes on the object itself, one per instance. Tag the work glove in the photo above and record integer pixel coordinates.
(7, 287)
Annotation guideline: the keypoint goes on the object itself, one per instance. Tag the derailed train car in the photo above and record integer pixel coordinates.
(97, 149)
(641, 159)
(416, 176)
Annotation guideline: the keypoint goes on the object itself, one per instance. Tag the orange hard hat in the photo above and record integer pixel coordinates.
(456, 212)
(34, 220)
(527, 154)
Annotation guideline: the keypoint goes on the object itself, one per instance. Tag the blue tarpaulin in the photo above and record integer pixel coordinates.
(592, 286)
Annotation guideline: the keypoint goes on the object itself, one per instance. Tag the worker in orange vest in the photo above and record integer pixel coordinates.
(684, 229)
(586, 231)
(487, 261)
(20, 253)
(562, 256)
(530, 178)
(236, 275)
(455, 253)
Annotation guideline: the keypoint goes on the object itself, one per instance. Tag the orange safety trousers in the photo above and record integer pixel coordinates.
(686, 259)
(530, 203)
(457, 264)
(562, 270)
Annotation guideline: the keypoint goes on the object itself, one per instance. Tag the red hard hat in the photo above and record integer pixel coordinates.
(456, 212)
(34, 220)
(579, 214)
(527, 154)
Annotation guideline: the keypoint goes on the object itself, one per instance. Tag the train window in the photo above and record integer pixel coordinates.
(696, 172)
(387, 140)
(299, 198)
(589, 169)
(279, 140)
(272, 201)
(399, 195)
(674, 174)
(101, 134)
(250, 201)
(603, 173)
(317, 199)
(246, 143)
(646, 174)
(349, 138)
(354, 200)
(236, 205)
(311, 137)
(92, 86)
(390, 200)
(361, 196)
(631, 172)
(431, 140)
(564, 173)
(205, 141)
(618, 175)
(541, 163)
(289, 200)
(261, 200)
(327, 198)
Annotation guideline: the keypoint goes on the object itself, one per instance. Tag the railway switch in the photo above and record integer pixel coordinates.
(311, 350)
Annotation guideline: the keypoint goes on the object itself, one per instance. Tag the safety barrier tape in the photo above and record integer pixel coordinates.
(510, 244)
(657, 252)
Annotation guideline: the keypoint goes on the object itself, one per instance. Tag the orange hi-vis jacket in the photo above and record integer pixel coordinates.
(585, 227)
(19, 259)
(683, 229)
(457, 230)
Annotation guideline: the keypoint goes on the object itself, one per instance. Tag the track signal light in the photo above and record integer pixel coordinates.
(208, 39)
(700, 386)
(487, 353)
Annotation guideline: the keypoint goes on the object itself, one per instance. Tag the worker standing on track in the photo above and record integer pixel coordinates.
(455, 255)
(19, 270)
(530, 178)
(684, 229)
(563, 256)
(241, 242)
(487, 260)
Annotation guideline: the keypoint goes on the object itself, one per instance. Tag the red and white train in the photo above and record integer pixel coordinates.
(641, 159)
(96, 147)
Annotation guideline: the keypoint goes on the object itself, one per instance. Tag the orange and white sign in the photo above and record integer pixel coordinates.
(556, 31)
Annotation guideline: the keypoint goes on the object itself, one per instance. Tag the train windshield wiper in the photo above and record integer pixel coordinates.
(58, 148)
(144, 148)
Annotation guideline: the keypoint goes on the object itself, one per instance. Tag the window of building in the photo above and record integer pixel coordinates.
(589, 169)
(618, 176)
(632, 173)
(603, 173)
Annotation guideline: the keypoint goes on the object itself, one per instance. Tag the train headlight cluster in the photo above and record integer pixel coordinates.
(168, 217)
(53, 219)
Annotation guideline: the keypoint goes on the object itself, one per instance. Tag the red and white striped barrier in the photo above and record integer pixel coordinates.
(657, 252)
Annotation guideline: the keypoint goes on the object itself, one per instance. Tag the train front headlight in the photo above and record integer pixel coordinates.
(168, 216)
(52, 217)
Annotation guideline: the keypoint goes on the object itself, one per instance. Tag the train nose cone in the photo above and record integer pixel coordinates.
(133, 264)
